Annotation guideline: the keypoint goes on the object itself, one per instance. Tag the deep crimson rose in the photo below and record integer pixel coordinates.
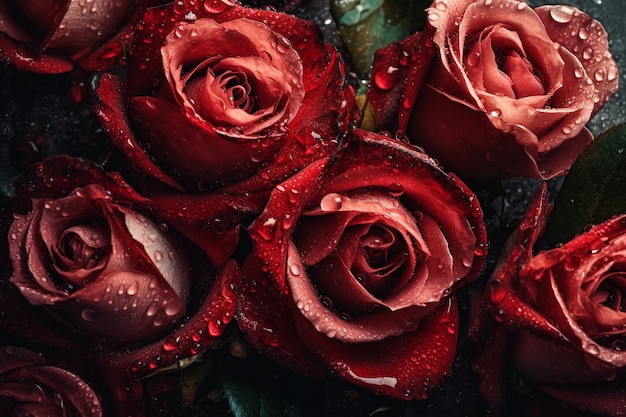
(51, 36)
(29, 387)
(223, 97)
(508, 91)
(354, 266)
(137, 295)
(564, 309)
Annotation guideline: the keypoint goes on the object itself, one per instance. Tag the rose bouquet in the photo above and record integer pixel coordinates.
(301, 208)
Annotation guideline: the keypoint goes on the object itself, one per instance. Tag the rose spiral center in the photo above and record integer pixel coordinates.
(238, 90)
(84, 246)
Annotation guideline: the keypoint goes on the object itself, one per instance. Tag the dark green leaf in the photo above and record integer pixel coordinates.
(247, 399)
(594, 189)
(366, 25)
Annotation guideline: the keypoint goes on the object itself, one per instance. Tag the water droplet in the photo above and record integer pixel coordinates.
(521, 6)
(215, 327)
(497, 291)
(579, 72)
(567, 130)
(592, 348)
(488, 2)
(611, 73)
(170, 345)
(331, 202)
(158, 255)
(583, 33)
(433, 17)
(88, 314)
(386, 80)
(599, 75)
(588, 53)
(294, 269)
(561, 13)
(133, 288)
(441, 6)
(215, 7)
(495, 113)
(618, 344)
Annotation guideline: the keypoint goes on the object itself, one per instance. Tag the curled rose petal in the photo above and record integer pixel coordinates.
(366, 255)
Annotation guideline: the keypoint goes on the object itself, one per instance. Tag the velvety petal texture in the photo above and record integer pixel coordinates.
(360, 256)
(564, 307)
(510, 89)
(29, 387)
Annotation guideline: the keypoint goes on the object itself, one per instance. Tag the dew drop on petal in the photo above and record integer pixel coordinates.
(583, 33)
(588, 53)
(579, 72)
(294, 269)
(599, 75)
(562, 14)
(331, 202)
(88, 314)
(611, 73)
(133, 288)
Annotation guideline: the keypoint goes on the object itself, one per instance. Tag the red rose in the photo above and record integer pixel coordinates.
(219, 94)
(508, 91)
(50, 36)
(99, 263)
(354, 265)
(564, 307)
(88, 251)
(28, 387)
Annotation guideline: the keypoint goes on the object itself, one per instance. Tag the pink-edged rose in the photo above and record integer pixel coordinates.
(51, 36)
(509, 88)
(354, 266)
(99, 264)
(218, 94)
(97, 273)
(564, 308)
(30, 387)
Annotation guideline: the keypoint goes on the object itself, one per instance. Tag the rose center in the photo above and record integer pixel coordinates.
(610, 292)
(85, 246)
(237, 89)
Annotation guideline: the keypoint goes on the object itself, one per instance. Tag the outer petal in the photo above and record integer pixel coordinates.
(590, 45)
(413, 364)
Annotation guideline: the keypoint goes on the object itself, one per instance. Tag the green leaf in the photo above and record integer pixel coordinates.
(594, 190)
(367, 25)
(249, 400)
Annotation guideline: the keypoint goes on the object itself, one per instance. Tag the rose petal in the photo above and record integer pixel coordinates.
(413, 364)
(590, 45)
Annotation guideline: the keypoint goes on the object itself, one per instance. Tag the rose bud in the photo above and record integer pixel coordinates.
(354, 267)
(28, 387)
(50, 36)
(563, 308)
(509, 88)
(223, 99)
